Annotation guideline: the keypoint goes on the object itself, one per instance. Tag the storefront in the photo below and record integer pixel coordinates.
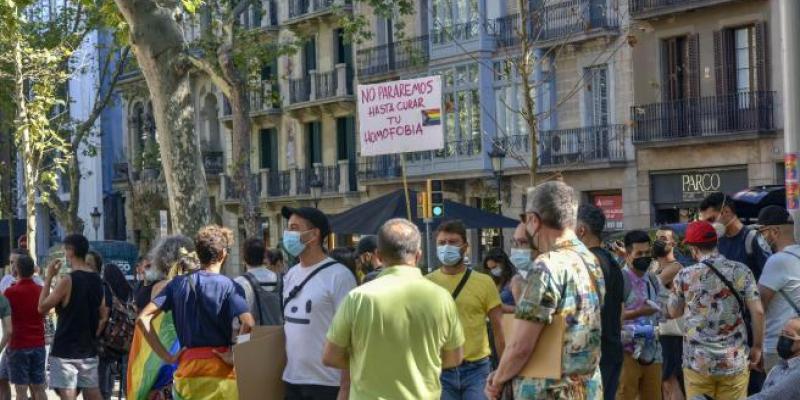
(676, 194)
(611, 204)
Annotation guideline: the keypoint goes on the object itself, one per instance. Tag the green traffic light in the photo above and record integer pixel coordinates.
(437, 211)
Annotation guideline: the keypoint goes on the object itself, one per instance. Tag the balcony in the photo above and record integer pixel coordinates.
(229, 189)
(262, 16)
(645, 9)
(565, 22)
(460, 32)
(461, 156)
(213, 162)
(565, 148)
(745, 113)
(322, 87)
(262, 100)
(300, 11)
(279, 183)
(393, 58)
(336, 179)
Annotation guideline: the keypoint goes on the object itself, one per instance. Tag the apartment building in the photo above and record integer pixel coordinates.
(643, 105)
(706, 113)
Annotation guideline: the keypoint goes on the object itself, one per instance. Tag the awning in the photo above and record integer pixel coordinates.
(367, 218)
(750, 201)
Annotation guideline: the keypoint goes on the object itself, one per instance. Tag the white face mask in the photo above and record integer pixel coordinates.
(719, 227)
(497, 272)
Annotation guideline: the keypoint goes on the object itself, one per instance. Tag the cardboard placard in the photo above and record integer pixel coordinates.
(545, 362)
(259, 364)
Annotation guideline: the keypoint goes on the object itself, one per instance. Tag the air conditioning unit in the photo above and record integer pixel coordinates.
(564, 144)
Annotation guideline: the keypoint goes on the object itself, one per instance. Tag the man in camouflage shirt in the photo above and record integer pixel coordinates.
(566, 281)
(716, 356)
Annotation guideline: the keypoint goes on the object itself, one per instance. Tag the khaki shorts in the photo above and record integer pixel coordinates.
(73, 373)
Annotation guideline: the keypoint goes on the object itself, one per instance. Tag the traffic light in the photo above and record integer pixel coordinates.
(436, 199)
(423, 207)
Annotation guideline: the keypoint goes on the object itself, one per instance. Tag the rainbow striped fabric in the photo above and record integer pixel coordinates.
(202, 375)
(432, 116)
(146, 371)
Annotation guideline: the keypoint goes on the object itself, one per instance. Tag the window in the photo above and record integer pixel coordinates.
(462, 109)
(313, 143)
(596, 95)
(345, 138)
(269, 149)
(455, 20)
(745, 49)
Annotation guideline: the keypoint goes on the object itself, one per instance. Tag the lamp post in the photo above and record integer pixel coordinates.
(497, 155)
(96, 222)
(316, 190)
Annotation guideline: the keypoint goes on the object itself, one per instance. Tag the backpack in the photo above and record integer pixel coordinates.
(269, 304)
(118, 332)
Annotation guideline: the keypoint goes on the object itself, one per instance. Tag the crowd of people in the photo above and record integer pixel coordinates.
(711, 315)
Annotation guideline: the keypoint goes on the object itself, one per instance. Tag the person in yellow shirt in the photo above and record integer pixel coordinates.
(476, 299)
(396, 333)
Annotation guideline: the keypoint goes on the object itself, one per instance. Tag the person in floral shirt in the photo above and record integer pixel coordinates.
(716, 356)
(565, 280)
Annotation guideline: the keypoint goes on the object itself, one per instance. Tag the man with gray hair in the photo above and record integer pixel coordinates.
(396, 333)
(565, 282)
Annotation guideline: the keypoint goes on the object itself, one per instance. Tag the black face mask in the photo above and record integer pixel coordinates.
(642, 264)
(785, 347)
(660, 249)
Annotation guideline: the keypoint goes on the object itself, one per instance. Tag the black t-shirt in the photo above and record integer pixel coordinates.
(77, 322)
(143, 296)
(611, 314)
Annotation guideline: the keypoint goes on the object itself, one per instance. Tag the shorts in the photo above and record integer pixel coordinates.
(68, 373)
(4, 365)
(26, 366)
(672, 354)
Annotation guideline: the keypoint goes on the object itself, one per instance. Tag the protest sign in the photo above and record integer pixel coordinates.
(400, 116)
(259, 364)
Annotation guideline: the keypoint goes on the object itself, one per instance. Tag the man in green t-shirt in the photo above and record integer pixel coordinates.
(396, 333)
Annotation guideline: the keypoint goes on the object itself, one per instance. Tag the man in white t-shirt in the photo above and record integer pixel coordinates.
(254, 251)
(11, 278)
(312, 291)
(779, 284)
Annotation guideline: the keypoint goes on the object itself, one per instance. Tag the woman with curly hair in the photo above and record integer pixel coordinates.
(148, 376)
(204, 304)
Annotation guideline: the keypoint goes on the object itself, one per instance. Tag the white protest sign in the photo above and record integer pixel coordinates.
(400, 116)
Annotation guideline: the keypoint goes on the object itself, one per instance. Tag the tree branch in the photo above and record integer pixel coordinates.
(215, 76)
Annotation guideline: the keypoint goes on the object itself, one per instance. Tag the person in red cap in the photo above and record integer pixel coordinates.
(713, 296)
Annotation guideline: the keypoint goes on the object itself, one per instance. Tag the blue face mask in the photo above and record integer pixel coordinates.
(449, 255)
(521, 258)
(292, 243)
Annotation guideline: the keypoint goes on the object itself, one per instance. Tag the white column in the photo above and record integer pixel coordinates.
(344, 176)
(341, 79)
(312, 75)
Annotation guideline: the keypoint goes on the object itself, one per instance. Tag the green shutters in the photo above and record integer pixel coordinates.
(313, 143)
(268, 141)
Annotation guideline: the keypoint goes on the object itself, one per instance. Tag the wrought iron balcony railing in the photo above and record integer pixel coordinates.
(213, 162)
(564, 147)
(393, 57)
(567, 21)
(736, 113)
(262, 98)
(319, 86)
(653, 8)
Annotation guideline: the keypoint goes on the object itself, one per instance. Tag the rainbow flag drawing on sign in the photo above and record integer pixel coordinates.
(146, 371)
(202, 375)
(431, 117)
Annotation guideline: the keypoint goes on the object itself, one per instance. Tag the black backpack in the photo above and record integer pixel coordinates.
(269, 304)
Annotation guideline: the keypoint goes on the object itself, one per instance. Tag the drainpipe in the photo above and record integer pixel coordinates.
(790, 49)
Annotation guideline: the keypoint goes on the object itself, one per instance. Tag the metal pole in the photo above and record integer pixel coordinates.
(428, 244)
(790, 42)
(499, 206)
(405, 187)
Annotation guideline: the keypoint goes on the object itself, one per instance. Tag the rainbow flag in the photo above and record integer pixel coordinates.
(202, 375)
(432, 116)
(146, 371)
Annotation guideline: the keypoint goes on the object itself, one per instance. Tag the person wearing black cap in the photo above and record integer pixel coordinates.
(367, 257)
(312, 291)
(781, 277)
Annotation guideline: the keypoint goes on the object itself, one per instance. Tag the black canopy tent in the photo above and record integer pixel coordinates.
(367, 218)
(751, 200)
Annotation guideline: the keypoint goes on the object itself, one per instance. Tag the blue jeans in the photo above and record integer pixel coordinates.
(467, 381)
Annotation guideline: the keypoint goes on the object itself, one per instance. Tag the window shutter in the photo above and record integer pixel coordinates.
(762, 56)
(693, 65)
(666, 83)
(719, 72)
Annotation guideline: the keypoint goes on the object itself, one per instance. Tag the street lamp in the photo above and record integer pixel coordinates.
(316, 190)
(96, 221)
(497, 155)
